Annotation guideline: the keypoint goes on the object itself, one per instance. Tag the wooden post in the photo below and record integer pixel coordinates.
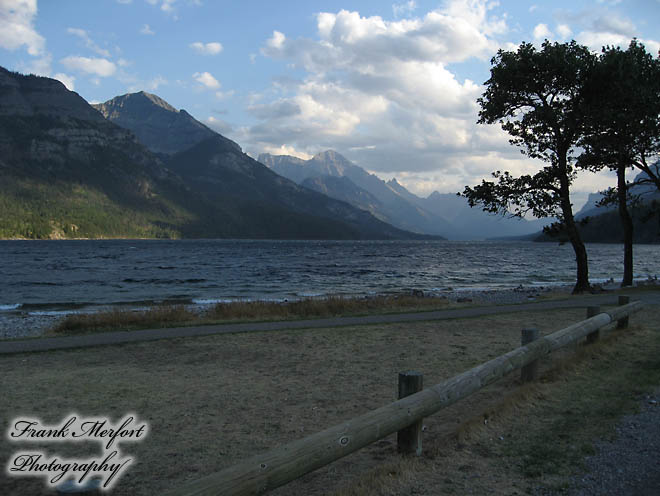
(623, 322)
(409, 440)
(529, 372)
(592, 312)
(276, 467)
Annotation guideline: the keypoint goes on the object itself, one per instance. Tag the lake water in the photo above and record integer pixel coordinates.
(47, 277)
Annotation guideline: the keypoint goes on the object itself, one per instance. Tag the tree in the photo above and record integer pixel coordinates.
(537, 96)
(623, 110)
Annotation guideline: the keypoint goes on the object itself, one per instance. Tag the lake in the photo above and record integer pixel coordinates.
(55, 276)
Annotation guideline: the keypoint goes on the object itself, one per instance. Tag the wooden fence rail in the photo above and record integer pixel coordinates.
(283, 464)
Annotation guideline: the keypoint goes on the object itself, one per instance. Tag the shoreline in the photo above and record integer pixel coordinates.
(17, 323)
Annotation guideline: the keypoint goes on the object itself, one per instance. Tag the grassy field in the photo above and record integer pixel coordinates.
(214, 400)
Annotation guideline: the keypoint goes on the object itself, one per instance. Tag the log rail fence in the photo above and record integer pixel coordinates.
(283, 464)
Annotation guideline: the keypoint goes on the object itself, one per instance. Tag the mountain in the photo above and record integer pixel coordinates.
(474, 223)
(357, 186)
(444, 214)
(602, 224)
(67, 171)
(157, 125)
(269, 205)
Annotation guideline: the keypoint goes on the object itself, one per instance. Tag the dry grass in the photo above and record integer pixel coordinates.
(322, 307)
(123, 319)
(180, 315)
(215, 400)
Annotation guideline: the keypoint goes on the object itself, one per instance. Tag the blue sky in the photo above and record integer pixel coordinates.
(392, 85)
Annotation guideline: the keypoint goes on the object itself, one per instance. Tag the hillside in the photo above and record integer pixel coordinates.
(67, 172)
(157, 125)
(444, 214)
(268, 205)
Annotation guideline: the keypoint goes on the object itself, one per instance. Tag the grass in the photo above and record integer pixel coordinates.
(180, 315)
(123, 319)
(214, 400)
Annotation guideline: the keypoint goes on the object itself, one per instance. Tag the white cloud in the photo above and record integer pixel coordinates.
(287, 150)
(68, 81)
(276, 42)
(403, 9)
(206, 79)
(212, 48)
(564, 31)
(541, 32)
(17, 26)
(156, 82)
(223, 95)
(219, 125)
(124, 1)
(40, 66)
(97, 66)
(383, 92)
(89, 43)
(611, 24)
(146, 30)
(165, 5)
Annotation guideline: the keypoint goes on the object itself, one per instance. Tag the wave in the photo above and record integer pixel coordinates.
(10, 307)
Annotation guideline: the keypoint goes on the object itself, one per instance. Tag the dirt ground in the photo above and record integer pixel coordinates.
(215, 400)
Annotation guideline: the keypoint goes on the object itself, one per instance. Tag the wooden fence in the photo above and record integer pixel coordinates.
(283, 464)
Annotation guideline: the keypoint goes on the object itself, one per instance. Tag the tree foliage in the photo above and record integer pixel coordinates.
(623, 116)
(538, 98)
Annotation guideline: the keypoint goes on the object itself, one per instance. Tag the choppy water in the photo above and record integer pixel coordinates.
(38, 277)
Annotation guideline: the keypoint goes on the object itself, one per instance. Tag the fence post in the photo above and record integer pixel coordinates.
(592, 312)
(530, 371)
(623, 323)
(409, 439)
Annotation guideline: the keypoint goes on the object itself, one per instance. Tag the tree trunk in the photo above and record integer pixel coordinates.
(627, 224)
(582, 277)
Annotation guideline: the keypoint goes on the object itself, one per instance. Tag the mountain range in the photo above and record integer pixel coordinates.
(447, 214)
(136, 167)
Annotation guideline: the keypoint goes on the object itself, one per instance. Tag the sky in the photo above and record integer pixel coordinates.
(391, 85)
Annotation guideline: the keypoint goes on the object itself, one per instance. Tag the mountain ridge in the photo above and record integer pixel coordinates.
(443, 214)
(68, 172)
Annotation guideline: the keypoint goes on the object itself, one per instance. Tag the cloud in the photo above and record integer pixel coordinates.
(212, 48)
(89, 43)
(223, 95)
(156, 82)
(541, 32)
(617, 25)
(207, 80)
(146, 30)
(287, 150)
(17, 26)
(165, 5)
(68, 81)
(403, 9)
(99, 67)
(564, 31)
(384, 93)
(40, 66)
(219, 125)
